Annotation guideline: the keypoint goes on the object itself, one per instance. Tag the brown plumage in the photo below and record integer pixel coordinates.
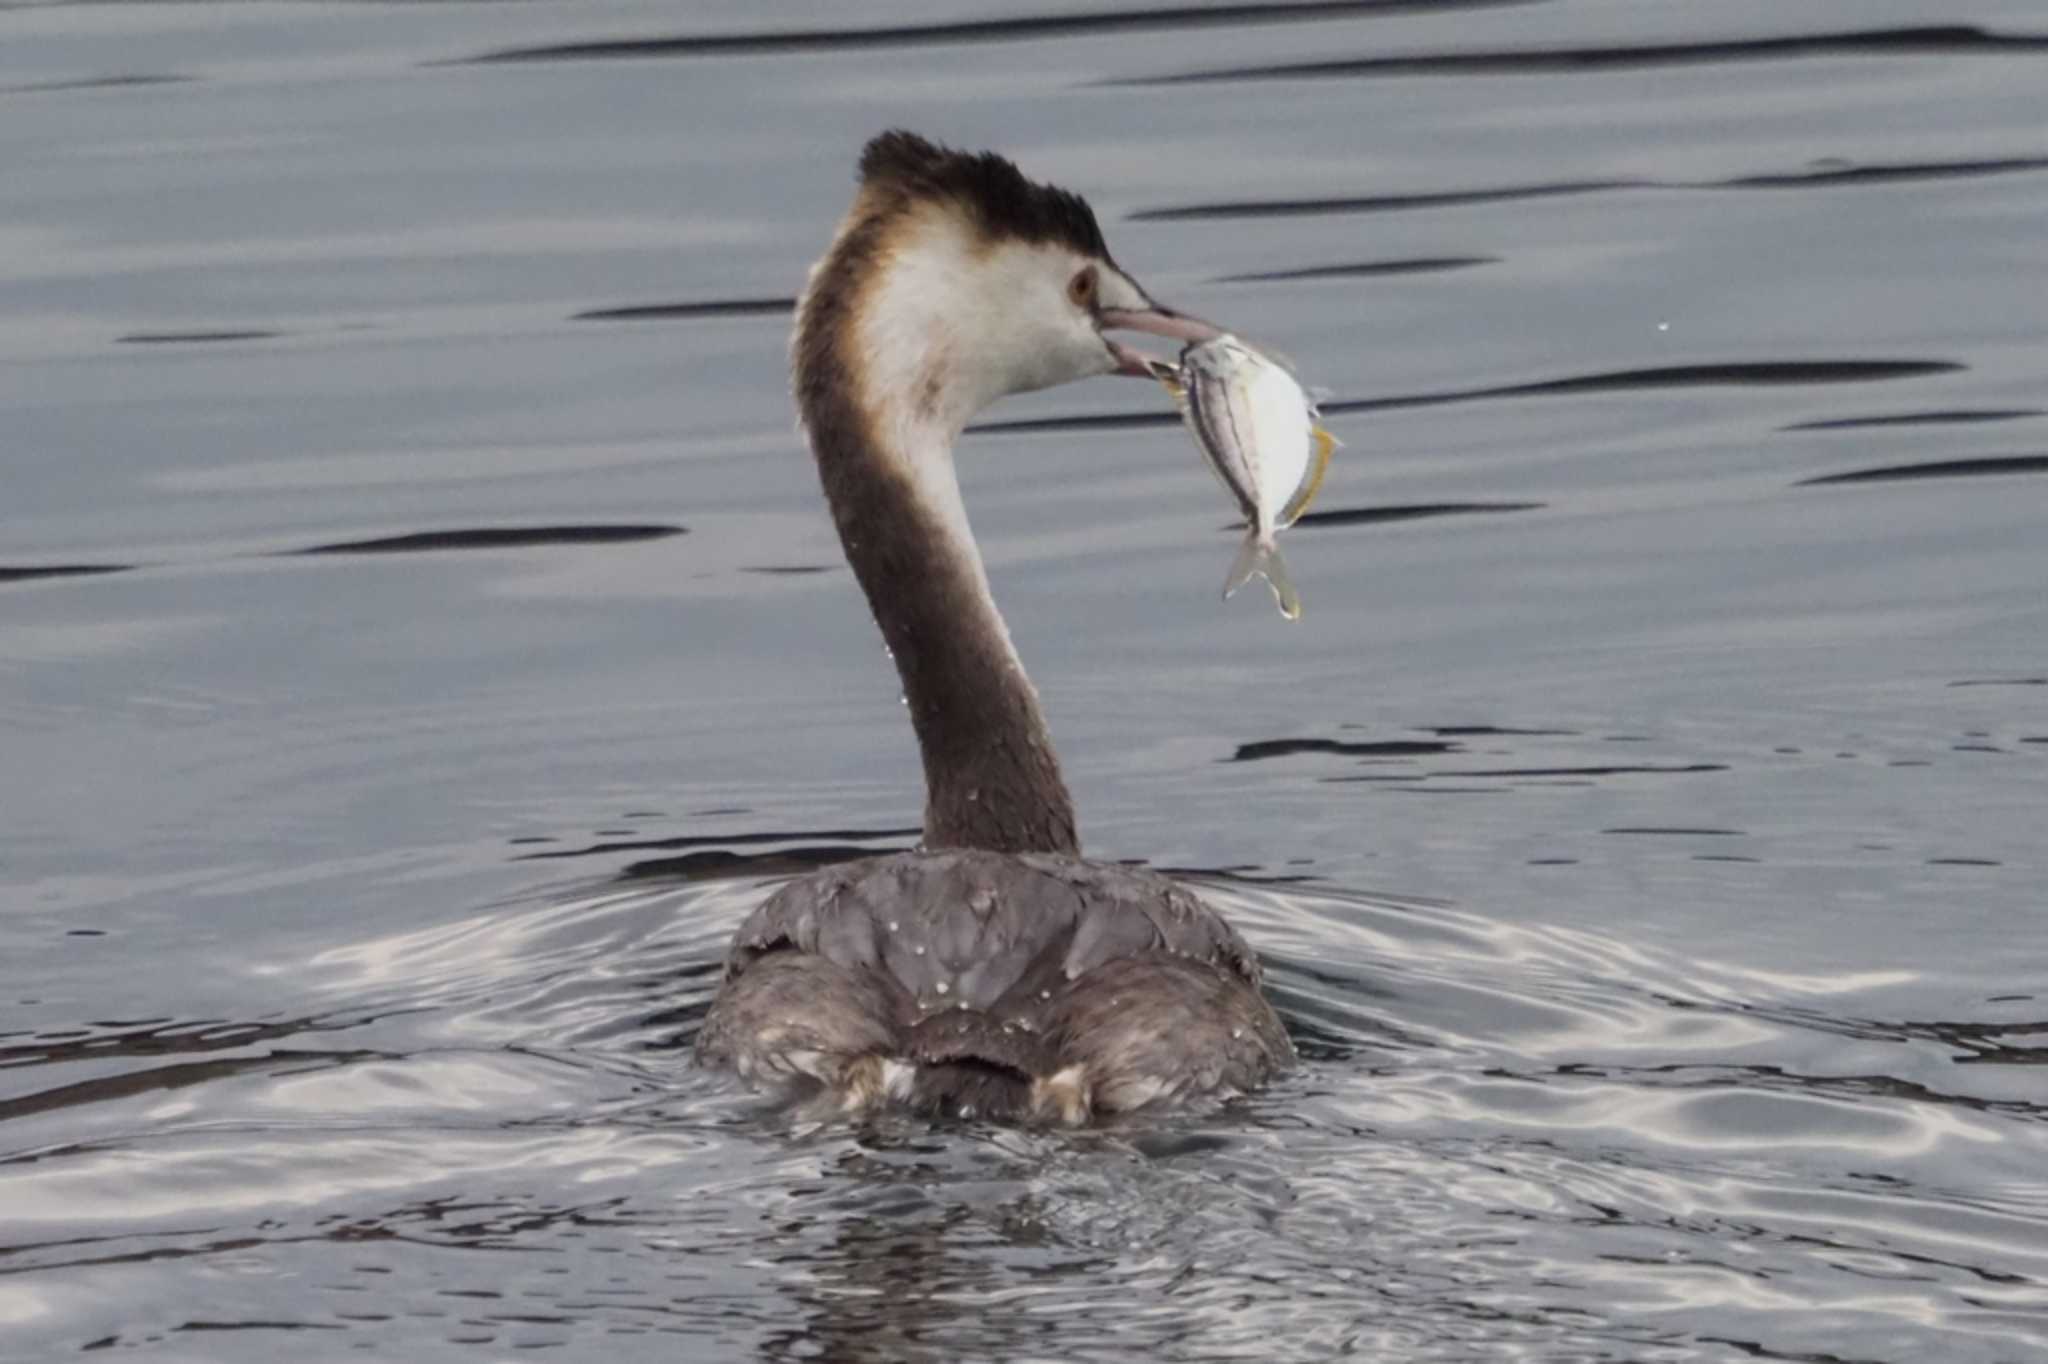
(1006, 984)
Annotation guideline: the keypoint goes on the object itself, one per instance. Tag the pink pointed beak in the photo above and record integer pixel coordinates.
(1159, 322)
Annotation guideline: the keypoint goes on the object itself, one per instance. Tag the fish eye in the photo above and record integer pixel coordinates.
(1081, 288)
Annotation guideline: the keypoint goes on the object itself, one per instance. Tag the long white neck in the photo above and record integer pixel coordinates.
(881, 409)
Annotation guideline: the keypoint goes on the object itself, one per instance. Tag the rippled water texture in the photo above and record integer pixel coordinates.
(421, 640)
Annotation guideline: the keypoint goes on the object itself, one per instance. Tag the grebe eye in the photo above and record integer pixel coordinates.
(1081, 288)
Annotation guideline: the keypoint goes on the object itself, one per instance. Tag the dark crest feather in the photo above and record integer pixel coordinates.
(1006, 203)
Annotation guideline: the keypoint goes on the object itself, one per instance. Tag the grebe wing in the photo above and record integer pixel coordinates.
(961, 926)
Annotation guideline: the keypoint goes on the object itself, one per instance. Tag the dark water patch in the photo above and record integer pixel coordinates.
(1014, 28)
(1375, 776)
(1677, 832)
(1957, 416)
(1724, 857)
(26, 573)
(1739, 374)
(1982, 466)
(1814, 177)
(1379, 203)
(713, 307)
(1755, 373)
(1588, 771)
(1963, 862)
(729, 841)
(720, 864)
(1942, 40)
(2002, 682)
(92, 83)
(1246, 874)
(179, 1075)
(1097, 421)
(1463, 731)
(1415, 511)
(789, 570)
(1381, 748)
(1779, 1079)
(2035, 739)
(1552, 862)
(192, 338)
(1742, 373)
(1888, 173)
(60, 1047)
(496, 537)
(1418, 265)
(1745, 373)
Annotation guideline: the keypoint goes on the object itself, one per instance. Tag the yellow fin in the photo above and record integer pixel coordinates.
(1319, 464)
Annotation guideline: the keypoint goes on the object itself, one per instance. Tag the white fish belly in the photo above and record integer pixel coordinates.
(1281, 452)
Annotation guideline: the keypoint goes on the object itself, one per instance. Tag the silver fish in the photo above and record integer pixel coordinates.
(1258, 430)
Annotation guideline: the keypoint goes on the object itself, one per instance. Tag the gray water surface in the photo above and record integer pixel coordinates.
(421, 640)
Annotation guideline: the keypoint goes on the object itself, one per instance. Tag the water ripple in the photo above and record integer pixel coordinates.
(1978, 467)
(1941, 417)
(23, 573)
(1748, 373)
(193, 337)
(701, 308)
(1823, 176)
(1415, 265)
(1506, 1130)
(1374, 516)
(1010, 28)
(1944, 40)
(496, 537)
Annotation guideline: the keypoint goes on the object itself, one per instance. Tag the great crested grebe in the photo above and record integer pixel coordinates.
(993, 972)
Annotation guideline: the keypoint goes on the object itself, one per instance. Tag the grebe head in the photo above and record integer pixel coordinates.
(955, 280)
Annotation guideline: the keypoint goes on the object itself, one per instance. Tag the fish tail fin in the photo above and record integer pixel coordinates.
(1257, 558)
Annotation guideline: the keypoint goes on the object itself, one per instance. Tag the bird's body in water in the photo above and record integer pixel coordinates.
(995, 971)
